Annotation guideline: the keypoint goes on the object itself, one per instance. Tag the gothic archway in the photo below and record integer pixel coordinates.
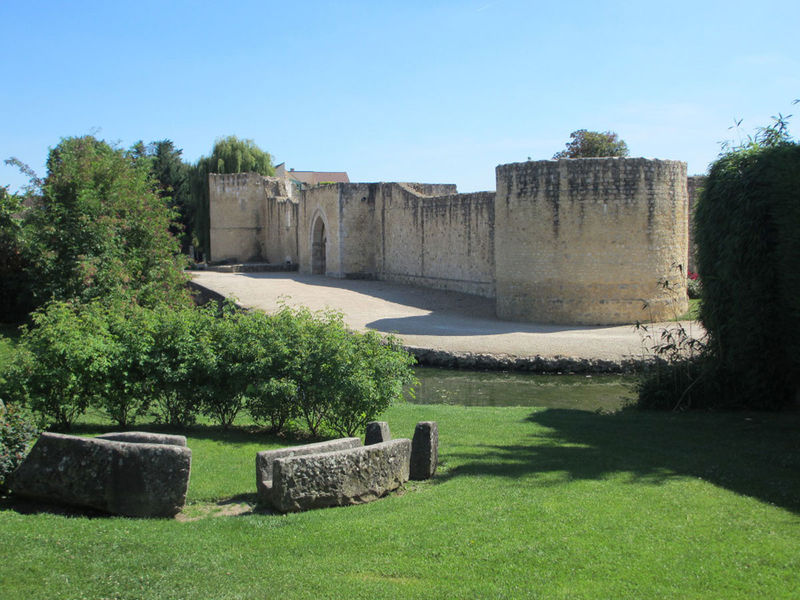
(319, 242)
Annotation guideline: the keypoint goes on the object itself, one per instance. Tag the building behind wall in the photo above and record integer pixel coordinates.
(574, 241)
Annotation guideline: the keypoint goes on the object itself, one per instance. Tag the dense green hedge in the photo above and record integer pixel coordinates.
(175, 363)
(748, 253)
(17, 433)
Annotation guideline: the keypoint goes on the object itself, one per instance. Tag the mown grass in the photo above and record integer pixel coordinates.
(549, 503)
(693, 314)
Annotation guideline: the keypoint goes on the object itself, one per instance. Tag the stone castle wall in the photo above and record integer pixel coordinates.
(248, 215)
(694, 184)
(585, 241)
(580, 241)
(443, 242)
(400, 232)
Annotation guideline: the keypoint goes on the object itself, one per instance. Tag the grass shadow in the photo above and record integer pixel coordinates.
(236, 435)
(754, 454)
(27, 506)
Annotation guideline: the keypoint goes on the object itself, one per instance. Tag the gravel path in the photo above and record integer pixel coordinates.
(437, 323)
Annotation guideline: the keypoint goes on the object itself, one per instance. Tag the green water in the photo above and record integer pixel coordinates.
(492, 388)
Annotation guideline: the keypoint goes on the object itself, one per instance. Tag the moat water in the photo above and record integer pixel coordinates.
(493, 388)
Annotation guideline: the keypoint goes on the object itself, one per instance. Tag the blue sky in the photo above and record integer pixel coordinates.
(436, 91)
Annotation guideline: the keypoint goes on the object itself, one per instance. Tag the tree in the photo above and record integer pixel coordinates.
(170, 175)
(747, 220)
(588, 144)
(229, 155)
(748, 255)
(14, 264)
(100, 230)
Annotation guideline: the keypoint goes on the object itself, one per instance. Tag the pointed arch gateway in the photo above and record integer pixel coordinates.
(319, 242)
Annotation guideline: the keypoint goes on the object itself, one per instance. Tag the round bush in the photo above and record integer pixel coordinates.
(748, 253)
(17, 434)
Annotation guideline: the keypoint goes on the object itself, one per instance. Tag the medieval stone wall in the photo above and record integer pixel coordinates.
(238, 215)
(443, 242)
(319, 204)
(586, 241)
(582, 241)
(280, 241)
(694, 184)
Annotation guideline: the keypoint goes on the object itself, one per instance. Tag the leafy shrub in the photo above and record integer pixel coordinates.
(17, 433)
(178, 361)
(331, 378)
(127, 390)
(222, 391)
(748, 237)
(61, 364)
(694, 286)
(179, 364)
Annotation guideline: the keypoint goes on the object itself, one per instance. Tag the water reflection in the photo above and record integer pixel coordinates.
(492, 388)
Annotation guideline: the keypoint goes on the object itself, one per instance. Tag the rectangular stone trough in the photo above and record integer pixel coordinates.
(266, 459)
(145, 476)
(339, 478)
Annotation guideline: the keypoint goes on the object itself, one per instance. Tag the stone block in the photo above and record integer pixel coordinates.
(340, 478)
(118, 477)
(377, 432)
(266, 459)
(424, 450)
(144, 437)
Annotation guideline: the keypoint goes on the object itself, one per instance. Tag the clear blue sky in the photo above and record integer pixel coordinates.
(433, 91)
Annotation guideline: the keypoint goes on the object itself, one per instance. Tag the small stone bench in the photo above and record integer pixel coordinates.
(339, 478)
(266, 459)
(115, 473)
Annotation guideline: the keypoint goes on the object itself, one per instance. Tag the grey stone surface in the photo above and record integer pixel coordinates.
(266, 459)
(377, 432)
(340, 478)
(130, 479)
(144, 437)
(424, 450)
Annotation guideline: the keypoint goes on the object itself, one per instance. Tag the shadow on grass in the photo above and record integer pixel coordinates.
(234, 435)
(753, 454)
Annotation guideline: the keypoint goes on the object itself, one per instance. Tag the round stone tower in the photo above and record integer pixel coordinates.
(590, 241)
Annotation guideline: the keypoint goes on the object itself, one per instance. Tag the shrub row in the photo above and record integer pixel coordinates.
(177, 363)
(17, 432)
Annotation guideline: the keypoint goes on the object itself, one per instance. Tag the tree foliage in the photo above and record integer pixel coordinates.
(229, 155)
(747, 223)
(588, 144)
(99, 229)
(15, 291)
(170, 177)
(748, 238)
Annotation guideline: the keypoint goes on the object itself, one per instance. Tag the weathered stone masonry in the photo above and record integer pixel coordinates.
(582, 241)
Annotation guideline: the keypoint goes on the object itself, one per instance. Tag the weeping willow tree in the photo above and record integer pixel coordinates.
(229, 155)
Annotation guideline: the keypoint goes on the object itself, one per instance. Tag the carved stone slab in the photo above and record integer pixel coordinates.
(123, 478)
(265, 460)
(340, 478)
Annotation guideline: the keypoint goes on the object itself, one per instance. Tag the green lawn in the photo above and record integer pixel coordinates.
(549, 503)
(694, 311)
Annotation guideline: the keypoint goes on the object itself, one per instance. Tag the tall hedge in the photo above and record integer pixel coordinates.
(747, 224)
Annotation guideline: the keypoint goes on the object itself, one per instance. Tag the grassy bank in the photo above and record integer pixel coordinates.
(527, 503)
